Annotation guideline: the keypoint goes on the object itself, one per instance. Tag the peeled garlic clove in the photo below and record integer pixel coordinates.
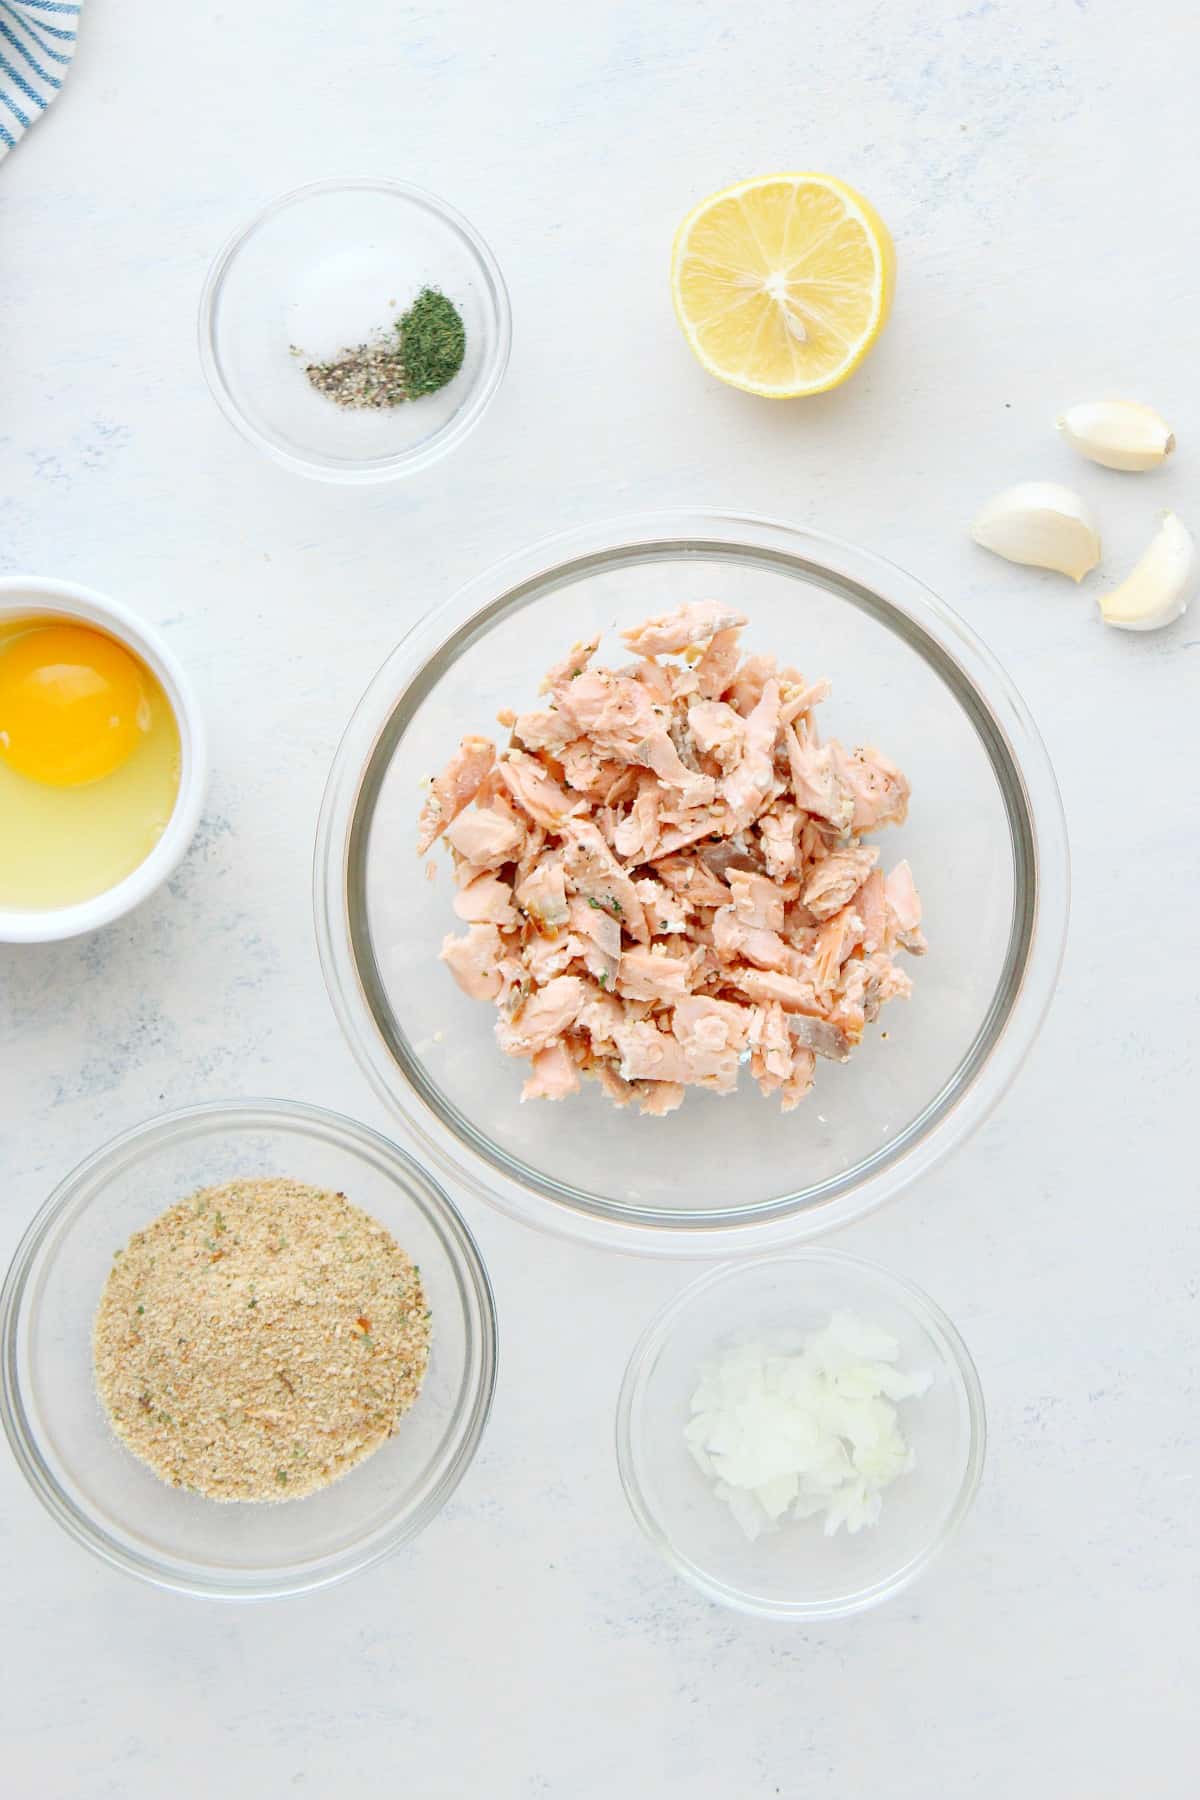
(1040, 523)
(1157, 591)
(1121, 434)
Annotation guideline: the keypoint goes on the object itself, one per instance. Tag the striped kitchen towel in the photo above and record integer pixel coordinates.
(37, 42)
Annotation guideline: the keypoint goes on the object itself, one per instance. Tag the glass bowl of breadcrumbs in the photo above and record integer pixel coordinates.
(120, 1480)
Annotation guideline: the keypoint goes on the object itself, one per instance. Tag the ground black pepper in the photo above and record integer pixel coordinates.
(421, 354)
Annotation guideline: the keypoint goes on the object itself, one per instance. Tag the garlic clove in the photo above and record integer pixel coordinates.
(1120, 434)
(1040, 523)
(1156, 593)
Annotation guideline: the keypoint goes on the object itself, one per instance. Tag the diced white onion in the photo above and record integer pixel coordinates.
(805, 1426)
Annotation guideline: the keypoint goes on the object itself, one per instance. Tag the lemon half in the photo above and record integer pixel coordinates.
(782, 284)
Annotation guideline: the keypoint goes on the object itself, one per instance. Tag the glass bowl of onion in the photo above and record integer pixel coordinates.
(800, 1435)
(726, 1173)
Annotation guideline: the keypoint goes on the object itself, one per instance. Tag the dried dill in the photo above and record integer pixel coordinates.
(433, 342)
(424, 350)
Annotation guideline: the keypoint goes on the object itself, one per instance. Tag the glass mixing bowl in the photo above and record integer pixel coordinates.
(110, 1501)
(795, 1571)
(985, 837)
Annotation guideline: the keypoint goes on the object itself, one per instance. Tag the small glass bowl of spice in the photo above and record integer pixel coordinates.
(355, 331)
(799, 1435)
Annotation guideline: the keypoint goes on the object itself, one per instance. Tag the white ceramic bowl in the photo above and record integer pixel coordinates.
(47, 598)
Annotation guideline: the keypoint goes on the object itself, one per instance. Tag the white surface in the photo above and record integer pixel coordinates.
(1033, 161)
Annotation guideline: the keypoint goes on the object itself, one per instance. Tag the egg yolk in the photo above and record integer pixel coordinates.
(72, 705)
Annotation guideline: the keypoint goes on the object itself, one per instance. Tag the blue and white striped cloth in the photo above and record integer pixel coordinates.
(37, 42)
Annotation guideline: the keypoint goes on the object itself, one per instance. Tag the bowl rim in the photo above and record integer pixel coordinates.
(54, 597)
(430, 449)
(640, 1366)
(86, 1183)
(985, 691)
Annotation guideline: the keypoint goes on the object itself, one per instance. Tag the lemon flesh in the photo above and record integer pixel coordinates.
(782, 284)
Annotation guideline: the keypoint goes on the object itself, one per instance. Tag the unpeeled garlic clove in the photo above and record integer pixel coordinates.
(1120, 434)
(1156, 593)
(1040, 523)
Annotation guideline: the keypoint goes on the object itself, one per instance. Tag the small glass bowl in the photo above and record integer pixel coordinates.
(329, 266)
(795, 1571)
(105, 1497)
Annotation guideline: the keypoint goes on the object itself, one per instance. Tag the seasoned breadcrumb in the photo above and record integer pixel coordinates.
(257, 1340)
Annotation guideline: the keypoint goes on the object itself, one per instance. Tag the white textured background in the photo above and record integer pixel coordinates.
(1036, 161)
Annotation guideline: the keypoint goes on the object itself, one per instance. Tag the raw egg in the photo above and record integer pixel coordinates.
(89, 761)
(72, 704)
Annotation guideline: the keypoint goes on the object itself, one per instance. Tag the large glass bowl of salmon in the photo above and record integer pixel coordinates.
(723, 1173)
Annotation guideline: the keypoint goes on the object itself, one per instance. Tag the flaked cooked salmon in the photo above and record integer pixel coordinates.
(663, 876)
